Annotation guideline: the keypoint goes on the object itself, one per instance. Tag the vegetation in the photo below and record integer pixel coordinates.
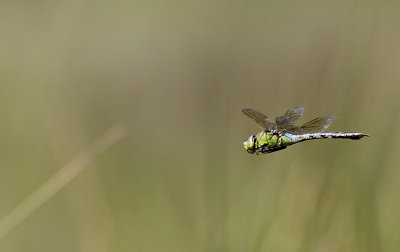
(177, 74)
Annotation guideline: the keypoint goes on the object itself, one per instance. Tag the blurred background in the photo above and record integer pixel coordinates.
(178, 73)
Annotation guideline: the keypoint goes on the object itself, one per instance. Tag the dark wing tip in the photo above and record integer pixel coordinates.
(301, 108)
(247, 112)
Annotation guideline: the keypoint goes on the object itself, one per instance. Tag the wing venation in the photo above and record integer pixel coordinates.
(261, 119)
(319, 124)
(285, 123)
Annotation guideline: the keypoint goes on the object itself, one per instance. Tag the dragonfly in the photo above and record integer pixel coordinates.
(282, 132)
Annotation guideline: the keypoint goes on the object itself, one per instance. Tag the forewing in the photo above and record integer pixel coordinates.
(319, 124)
(294, 114)
(260, 119)
(290, 128)
(285, 122)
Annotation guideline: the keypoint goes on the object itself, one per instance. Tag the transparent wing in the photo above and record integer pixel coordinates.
(284, 126)
(260, 119)
(319, 124)
(285, 122)
(294, 114)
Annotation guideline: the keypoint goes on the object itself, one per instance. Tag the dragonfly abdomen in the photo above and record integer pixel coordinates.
(323, 135)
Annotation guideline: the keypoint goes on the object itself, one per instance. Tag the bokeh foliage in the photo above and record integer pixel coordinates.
(178, 73)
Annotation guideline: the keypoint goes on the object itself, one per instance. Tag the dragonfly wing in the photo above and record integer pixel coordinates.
(281, 122)
(285, 122)
(294, 114)
(290, 128)
(319, 124)
(261, 119)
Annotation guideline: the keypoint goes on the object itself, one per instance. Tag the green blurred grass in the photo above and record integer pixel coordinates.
(178, 73)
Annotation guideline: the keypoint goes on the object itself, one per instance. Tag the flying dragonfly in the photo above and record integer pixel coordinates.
(282, 132)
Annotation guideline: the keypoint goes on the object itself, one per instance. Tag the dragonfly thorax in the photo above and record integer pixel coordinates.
(266, 141)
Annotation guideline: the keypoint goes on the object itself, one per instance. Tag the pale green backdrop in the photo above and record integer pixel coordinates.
(178, 73)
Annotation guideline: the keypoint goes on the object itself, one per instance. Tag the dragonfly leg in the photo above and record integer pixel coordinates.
(267, 150)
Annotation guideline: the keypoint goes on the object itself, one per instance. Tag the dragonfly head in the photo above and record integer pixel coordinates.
(249, 144)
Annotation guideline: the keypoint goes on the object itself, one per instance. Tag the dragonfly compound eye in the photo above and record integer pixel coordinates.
(249, 144)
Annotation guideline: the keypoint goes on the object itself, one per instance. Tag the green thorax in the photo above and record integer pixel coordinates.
(272, 140)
